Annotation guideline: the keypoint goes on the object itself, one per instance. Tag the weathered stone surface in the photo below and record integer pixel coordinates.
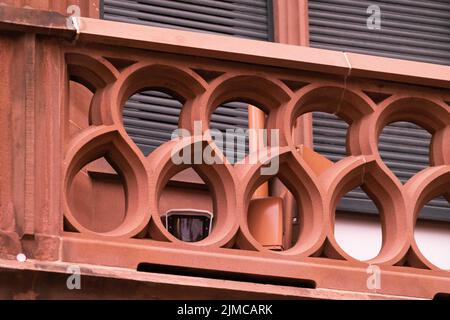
(41, 247)
(10, 244)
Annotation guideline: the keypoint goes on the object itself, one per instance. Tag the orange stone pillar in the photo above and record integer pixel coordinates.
(291, 26)
(256, 122)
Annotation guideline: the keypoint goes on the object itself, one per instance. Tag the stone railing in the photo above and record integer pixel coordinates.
(42, 155)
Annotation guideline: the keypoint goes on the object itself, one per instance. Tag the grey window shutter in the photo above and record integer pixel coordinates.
(410, 29)
(242, 18)
(150, 117)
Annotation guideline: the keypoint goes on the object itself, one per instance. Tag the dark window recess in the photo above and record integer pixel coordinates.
(225, 275)
(150, 117)
(412, 30)
(189, 228)
(159, 113)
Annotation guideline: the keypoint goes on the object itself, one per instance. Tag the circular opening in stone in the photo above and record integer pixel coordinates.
(238, 128)
(432, 232)
(97, 197)
(357, 227)
(329, 134)
(186, 207)
(150, 117)
(273, 216)
(405, 149)
(80, 98)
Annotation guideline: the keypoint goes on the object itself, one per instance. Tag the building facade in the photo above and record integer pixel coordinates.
(356, 92)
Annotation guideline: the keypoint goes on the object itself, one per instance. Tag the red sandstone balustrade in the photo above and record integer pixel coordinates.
(49, 141)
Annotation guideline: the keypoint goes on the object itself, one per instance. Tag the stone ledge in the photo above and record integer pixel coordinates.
(225, 48)
(35, 21)
(47, 280)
